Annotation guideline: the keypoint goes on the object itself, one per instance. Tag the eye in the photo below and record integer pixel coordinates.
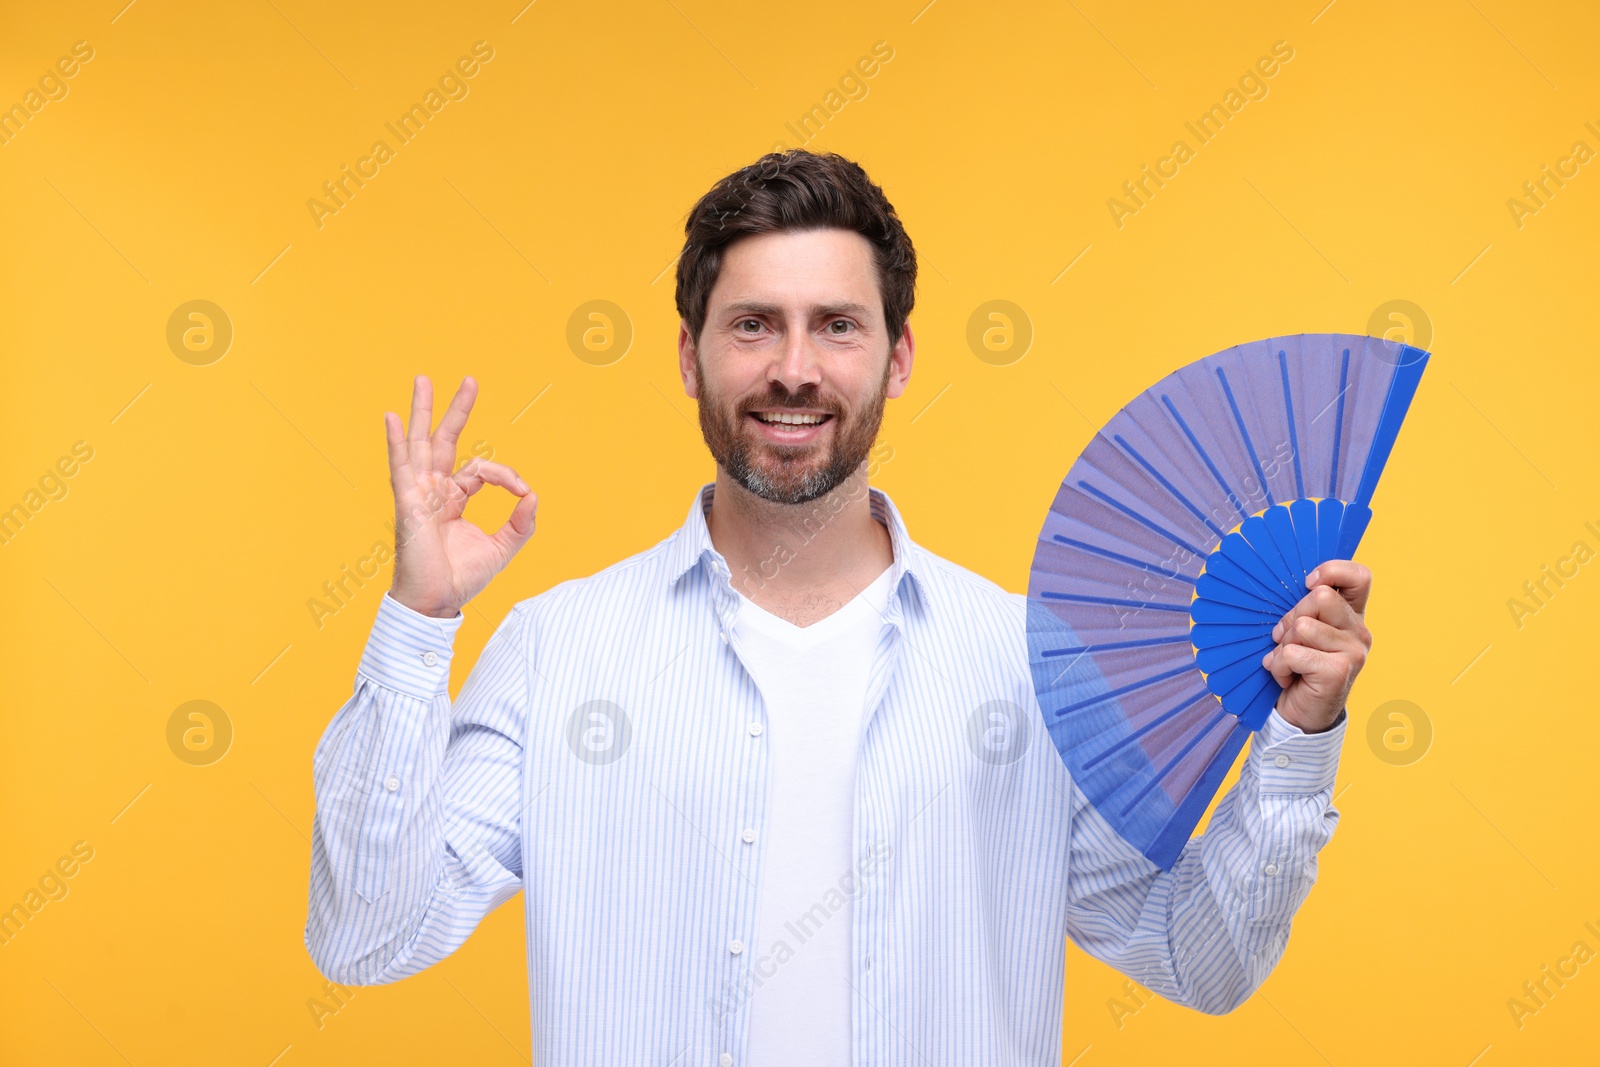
(837, 322)
(741, 322)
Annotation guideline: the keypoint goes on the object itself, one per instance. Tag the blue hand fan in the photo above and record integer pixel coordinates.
(1178, 539)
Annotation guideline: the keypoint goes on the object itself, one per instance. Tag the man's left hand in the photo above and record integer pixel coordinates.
(1322, 645)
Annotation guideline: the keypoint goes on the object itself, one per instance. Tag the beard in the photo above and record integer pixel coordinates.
(788, 474)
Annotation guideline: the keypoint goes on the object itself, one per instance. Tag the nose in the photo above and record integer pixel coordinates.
(794, 362)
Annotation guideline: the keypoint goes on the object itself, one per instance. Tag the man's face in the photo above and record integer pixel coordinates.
(794, 332)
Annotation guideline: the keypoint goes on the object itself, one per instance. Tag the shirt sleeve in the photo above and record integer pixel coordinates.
(416, 834)
(1207, 933)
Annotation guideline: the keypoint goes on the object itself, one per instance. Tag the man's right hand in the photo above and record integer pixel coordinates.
(442, 560)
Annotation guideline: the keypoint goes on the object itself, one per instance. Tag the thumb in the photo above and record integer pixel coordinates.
(518, 527)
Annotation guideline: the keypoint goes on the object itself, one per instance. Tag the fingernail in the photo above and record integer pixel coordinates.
(1311, 579)
(1277, 630)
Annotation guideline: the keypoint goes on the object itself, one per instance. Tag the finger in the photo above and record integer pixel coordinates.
(400, 478)
(518, 528)
(475, 474)
(1325, 603)
(1286, 661)
(1314, 633)
(1351, 579)
(450, 427)
(417, 440)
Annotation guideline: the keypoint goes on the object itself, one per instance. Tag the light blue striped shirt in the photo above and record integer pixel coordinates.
(608, 751)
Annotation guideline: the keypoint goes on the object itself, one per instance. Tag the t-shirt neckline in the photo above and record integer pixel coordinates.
(871, 598)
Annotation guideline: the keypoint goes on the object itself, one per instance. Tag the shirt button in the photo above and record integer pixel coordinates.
(726, 1059)
(749, 837)
(736, 946)
(430, 659)
(391, 783)
(1270, 869)
(755, 729)
(1282, 761)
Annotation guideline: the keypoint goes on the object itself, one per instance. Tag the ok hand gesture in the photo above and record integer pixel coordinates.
(442, 560)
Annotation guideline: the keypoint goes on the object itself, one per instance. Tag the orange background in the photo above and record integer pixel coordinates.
(225, 487)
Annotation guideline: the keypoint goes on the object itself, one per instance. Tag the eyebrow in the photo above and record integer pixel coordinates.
(757, 307)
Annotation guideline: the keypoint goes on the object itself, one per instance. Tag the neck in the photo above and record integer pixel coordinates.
(825, 550)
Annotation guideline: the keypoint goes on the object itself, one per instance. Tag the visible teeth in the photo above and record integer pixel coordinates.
(789, 419)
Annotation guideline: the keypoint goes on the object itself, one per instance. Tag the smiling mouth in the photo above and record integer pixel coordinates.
(790, 420)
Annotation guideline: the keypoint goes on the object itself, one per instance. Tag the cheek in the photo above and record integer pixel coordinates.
(729, 398)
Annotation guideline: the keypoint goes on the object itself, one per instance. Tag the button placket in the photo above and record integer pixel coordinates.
(726, 606)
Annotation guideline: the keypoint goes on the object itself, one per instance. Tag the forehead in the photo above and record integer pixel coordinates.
(799, 269)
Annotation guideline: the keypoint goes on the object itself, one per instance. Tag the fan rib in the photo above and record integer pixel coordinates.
(1233, 652)
(1303, 517)
(1338, 423)
(1219, 590)
(1119, 557)
(1129, 688)
(1205, 457)
(1124, 742)
(1205, 728)
(1330, 516)
(1261, 676)
(1258, 535)
(1168, 486)
(1228, 682)
(1085, 598)
(1228, 572)
(1244, 435)
(1280, 527)
(1249, 560)
(1111, 646)
(1136, 517)
(1217, 611)
(1294, 439)
(1261, 705)
(1208, 634)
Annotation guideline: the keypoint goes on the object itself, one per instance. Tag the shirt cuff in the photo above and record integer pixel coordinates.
(1289, 760)
(408, 651)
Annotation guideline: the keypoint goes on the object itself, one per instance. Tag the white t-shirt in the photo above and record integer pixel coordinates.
(814, 679)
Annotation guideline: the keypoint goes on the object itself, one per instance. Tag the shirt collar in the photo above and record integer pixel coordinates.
(692, 544)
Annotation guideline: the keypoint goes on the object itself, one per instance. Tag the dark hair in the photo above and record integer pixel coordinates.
(784, 192)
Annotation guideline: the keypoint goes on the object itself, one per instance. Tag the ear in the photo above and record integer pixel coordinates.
(900, 358)
(686, 358)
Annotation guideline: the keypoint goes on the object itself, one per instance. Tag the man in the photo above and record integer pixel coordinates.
(734, 775)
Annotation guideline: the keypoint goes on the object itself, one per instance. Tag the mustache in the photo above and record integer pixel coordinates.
(798, 400)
